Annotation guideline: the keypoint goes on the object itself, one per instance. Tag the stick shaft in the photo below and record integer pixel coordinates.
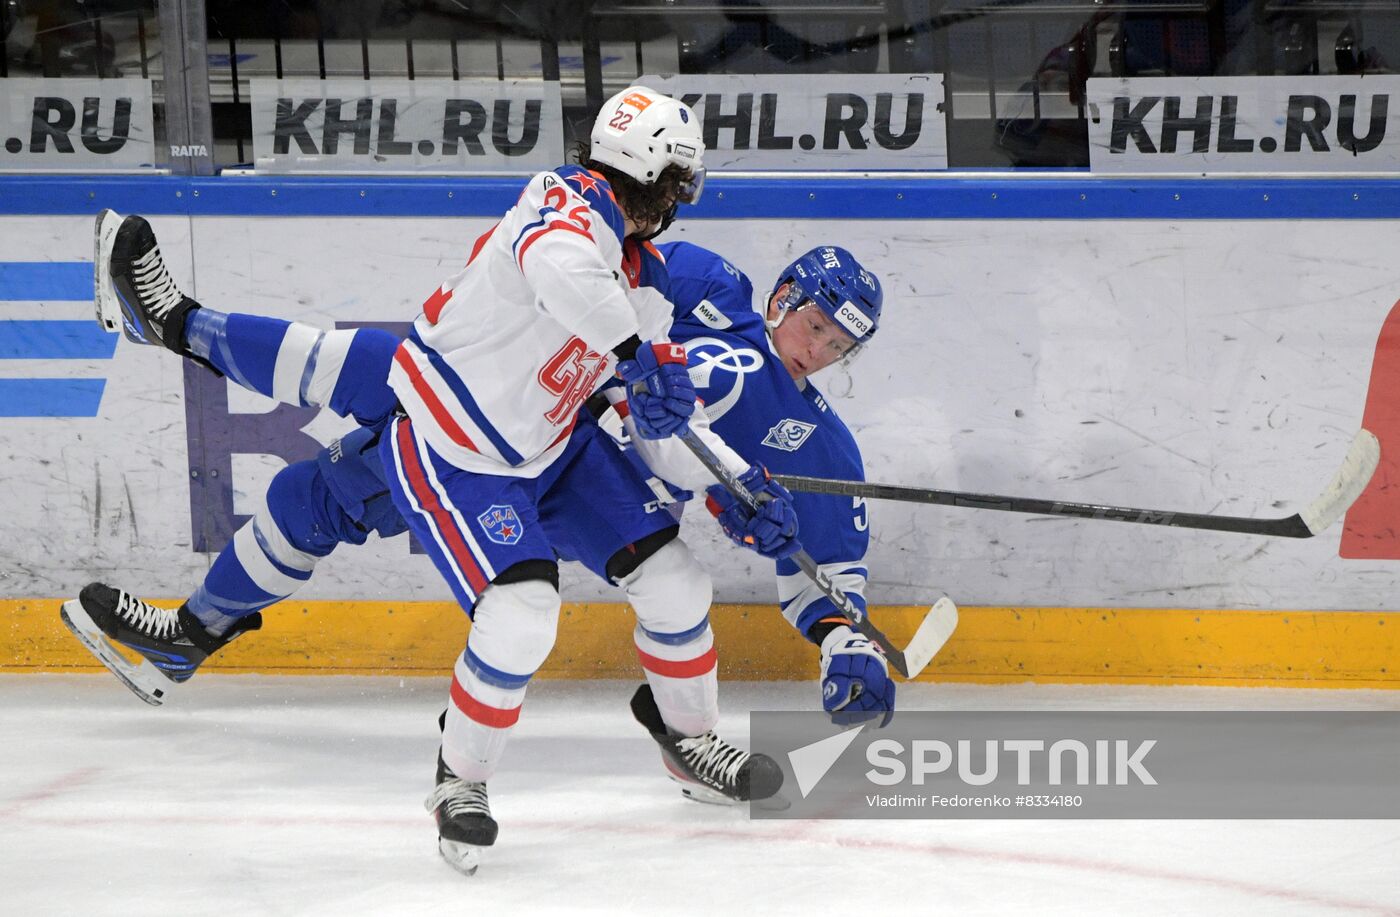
(803, 560)
(1289, 527)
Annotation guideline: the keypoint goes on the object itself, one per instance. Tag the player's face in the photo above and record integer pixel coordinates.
(807, 340)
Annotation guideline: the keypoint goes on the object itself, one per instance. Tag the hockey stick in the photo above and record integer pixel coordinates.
(933, 631)
(1351, 479)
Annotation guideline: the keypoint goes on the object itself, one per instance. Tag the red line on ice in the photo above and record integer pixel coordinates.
(56, 787)
(800, 832)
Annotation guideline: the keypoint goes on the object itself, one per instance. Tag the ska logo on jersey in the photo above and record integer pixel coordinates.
(501, 524)
(789, 435)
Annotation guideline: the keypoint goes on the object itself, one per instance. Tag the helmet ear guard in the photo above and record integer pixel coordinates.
(832, 279)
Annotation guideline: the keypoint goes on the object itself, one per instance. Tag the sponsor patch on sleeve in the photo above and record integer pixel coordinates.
(710, 315)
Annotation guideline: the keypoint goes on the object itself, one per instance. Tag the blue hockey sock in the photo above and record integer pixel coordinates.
(299, 364)
(274, 553)
(252, 572)
(246, 348)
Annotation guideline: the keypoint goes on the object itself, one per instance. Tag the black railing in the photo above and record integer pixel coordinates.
(1015, 70)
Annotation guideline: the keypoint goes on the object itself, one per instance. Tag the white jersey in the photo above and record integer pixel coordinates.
(503, 354)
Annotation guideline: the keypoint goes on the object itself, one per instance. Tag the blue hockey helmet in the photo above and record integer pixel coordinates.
(835, 281)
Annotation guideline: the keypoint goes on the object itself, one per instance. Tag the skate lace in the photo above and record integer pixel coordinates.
(161, 623)
(711, 756)
(460, 798)
(154, 284)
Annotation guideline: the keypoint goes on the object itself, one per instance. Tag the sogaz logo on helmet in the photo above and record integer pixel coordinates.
(854, 320)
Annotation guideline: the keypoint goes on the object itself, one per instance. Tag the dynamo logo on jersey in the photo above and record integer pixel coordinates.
(501, 524)
(789, 435)
(717, 365)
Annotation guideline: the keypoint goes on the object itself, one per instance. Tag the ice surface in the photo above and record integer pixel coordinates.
(261, 795)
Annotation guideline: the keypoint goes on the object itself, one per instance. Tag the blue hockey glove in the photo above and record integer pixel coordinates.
(660, 395)
(856, 682)
(772, 531)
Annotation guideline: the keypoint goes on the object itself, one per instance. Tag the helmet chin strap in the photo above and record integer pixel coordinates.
(667, 219)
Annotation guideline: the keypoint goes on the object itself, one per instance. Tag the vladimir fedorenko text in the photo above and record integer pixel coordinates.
(937, 801)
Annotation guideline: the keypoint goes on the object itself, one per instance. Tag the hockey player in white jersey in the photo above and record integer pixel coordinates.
(490, 472)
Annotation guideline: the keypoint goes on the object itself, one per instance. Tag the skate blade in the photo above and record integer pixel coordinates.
(465, 858)
(109, 313)
(143, 680)
(701, 793)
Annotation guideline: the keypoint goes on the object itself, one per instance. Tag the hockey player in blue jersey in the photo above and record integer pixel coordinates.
(750, 365)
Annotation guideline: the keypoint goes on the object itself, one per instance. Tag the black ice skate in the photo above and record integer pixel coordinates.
(464, 821)
(171, 641)
(708, 768)
(133, 290)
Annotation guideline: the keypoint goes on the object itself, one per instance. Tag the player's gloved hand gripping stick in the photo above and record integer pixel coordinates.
(933, 631)
(661, 396)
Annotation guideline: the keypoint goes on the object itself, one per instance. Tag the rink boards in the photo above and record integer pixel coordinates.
(1153, 646)
(1129, 357)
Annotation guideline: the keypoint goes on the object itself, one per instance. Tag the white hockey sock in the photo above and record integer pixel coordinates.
(479, 721)
(671, 594)
(513, 629)
(683, 678)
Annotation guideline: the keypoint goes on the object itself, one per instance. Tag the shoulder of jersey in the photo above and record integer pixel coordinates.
(705, 287)
(593, 188)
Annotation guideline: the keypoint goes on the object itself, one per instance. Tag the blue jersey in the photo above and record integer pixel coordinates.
(754, 404)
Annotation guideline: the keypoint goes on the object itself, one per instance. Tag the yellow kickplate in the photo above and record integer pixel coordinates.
(1316, 649)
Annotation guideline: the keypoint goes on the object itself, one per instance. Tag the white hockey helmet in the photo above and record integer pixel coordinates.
(640, 132)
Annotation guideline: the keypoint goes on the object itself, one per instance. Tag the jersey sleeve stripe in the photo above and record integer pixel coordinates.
(432, 306)
(550, 227)
(481, 242)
